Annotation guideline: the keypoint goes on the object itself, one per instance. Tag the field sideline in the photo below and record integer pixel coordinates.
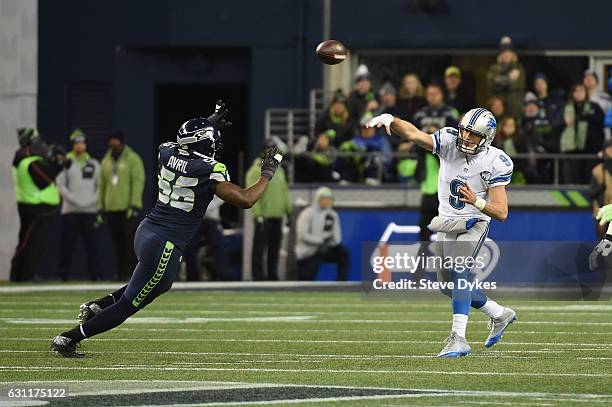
(332, 348)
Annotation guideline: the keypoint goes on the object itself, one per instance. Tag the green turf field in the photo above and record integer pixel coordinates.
(332, 348)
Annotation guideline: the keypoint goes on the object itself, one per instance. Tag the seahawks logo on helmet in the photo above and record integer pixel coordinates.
(200, 137)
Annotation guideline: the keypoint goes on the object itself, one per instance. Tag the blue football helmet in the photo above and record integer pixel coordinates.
(200, 137)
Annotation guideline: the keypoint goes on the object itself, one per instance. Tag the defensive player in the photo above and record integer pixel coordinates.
(189, 175)
(471, 190)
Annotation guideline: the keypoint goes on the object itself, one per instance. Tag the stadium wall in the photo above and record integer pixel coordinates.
(18, 91)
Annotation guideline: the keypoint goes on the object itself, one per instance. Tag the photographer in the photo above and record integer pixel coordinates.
(35, 167)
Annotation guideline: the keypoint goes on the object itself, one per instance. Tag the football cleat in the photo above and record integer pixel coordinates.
(66, 347)
(87, 311)
(455, 347)
(498, 326)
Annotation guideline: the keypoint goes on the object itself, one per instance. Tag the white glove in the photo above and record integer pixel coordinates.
(382, 120)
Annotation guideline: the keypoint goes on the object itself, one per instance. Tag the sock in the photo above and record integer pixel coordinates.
(492, 309)
(76, 334)
(479, 299)
(459, 324)
(109, 318)
(110, 299)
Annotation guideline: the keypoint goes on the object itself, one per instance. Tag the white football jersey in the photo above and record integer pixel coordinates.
(487, 169)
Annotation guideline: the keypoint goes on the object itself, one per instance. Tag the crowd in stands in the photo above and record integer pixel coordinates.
(532, 120)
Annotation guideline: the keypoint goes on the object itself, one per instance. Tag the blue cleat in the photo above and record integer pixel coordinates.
(498, 326)
(455, 347)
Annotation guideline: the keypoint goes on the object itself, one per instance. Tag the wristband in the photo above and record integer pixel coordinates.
(480, 203)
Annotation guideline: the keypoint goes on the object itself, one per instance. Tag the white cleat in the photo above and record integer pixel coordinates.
(455, 347)
(498, 326)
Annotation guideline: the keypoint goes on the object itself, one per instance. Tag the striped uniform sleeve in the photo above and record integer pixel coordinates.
(502, 171)
(219, 173)
(443, 140)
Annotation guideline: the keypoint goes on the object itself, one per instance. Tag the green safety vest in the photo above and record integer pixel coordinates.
(429, 186)
(26, 190)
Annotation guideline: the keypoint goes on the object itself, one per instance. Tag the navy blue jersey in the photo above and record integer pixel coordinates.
(186, 187)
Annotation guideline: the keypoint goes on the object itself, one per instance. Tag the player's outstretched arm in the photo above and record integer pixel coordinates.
(246, 197)
(497, 207)
(404, 129)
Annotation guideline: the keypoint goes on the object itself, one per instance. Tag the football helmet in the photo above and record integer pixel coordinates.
(200, 137)
(478, 121)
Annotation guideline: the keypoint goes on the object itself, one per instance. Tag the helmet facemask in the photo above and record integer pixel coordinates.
(200, 138)
(465, 145)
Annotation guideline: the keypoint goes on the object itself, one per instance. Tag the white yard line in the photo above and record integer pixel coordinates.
(343, 371)
(320, 341)
(472, 330)
(310, 319)
(488, 354)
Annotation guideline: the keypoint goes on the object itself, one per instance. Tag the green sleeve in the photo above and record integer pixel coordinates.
(252, 176)
(288, 207)
(137, 175)
(101, 186)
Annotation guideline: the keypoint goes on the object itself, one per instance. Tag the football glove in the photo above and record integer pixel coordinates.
(99, 220)
(271, 160)
(132, 212)
(218, 117)
(604, 215)
(382, 120)
(602, 249)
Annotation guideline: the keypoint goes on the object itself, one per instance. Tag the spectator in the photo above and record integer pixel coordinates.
(601, 185)
(550, 104)
(316, 165)
(337, 118)
(608, 119)
(406, 166)
(35, 167)
(362, 99)
(506, 79)
(534, 132)
(496, 105)
(211, 230)
(122, 182)
(78, 185)
(583, 133)
(590, 80)
(268, 214)
(410, 96)
(435, 115)
(388, 100)
(541, 131)
(319, 237)
(456, 95)
(369, 166)
(509, 139)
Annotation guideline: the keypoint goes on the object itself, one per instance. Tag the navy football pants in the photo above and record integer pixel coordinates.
(158, 263)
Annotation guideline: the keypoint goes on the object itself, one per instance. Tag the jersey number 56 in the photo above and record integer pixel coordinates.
(176, 192)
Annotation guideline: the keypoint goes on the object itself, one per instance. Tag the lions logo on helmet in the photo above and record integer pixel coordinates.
(480, 122)
(200, 137)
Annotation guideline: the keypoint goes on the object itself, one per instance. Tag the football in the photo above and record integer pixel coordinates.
(331, 52)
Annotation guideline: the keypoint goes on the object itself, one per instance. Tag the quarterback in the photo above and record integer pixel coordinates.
(471, 190)
(188, 177)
